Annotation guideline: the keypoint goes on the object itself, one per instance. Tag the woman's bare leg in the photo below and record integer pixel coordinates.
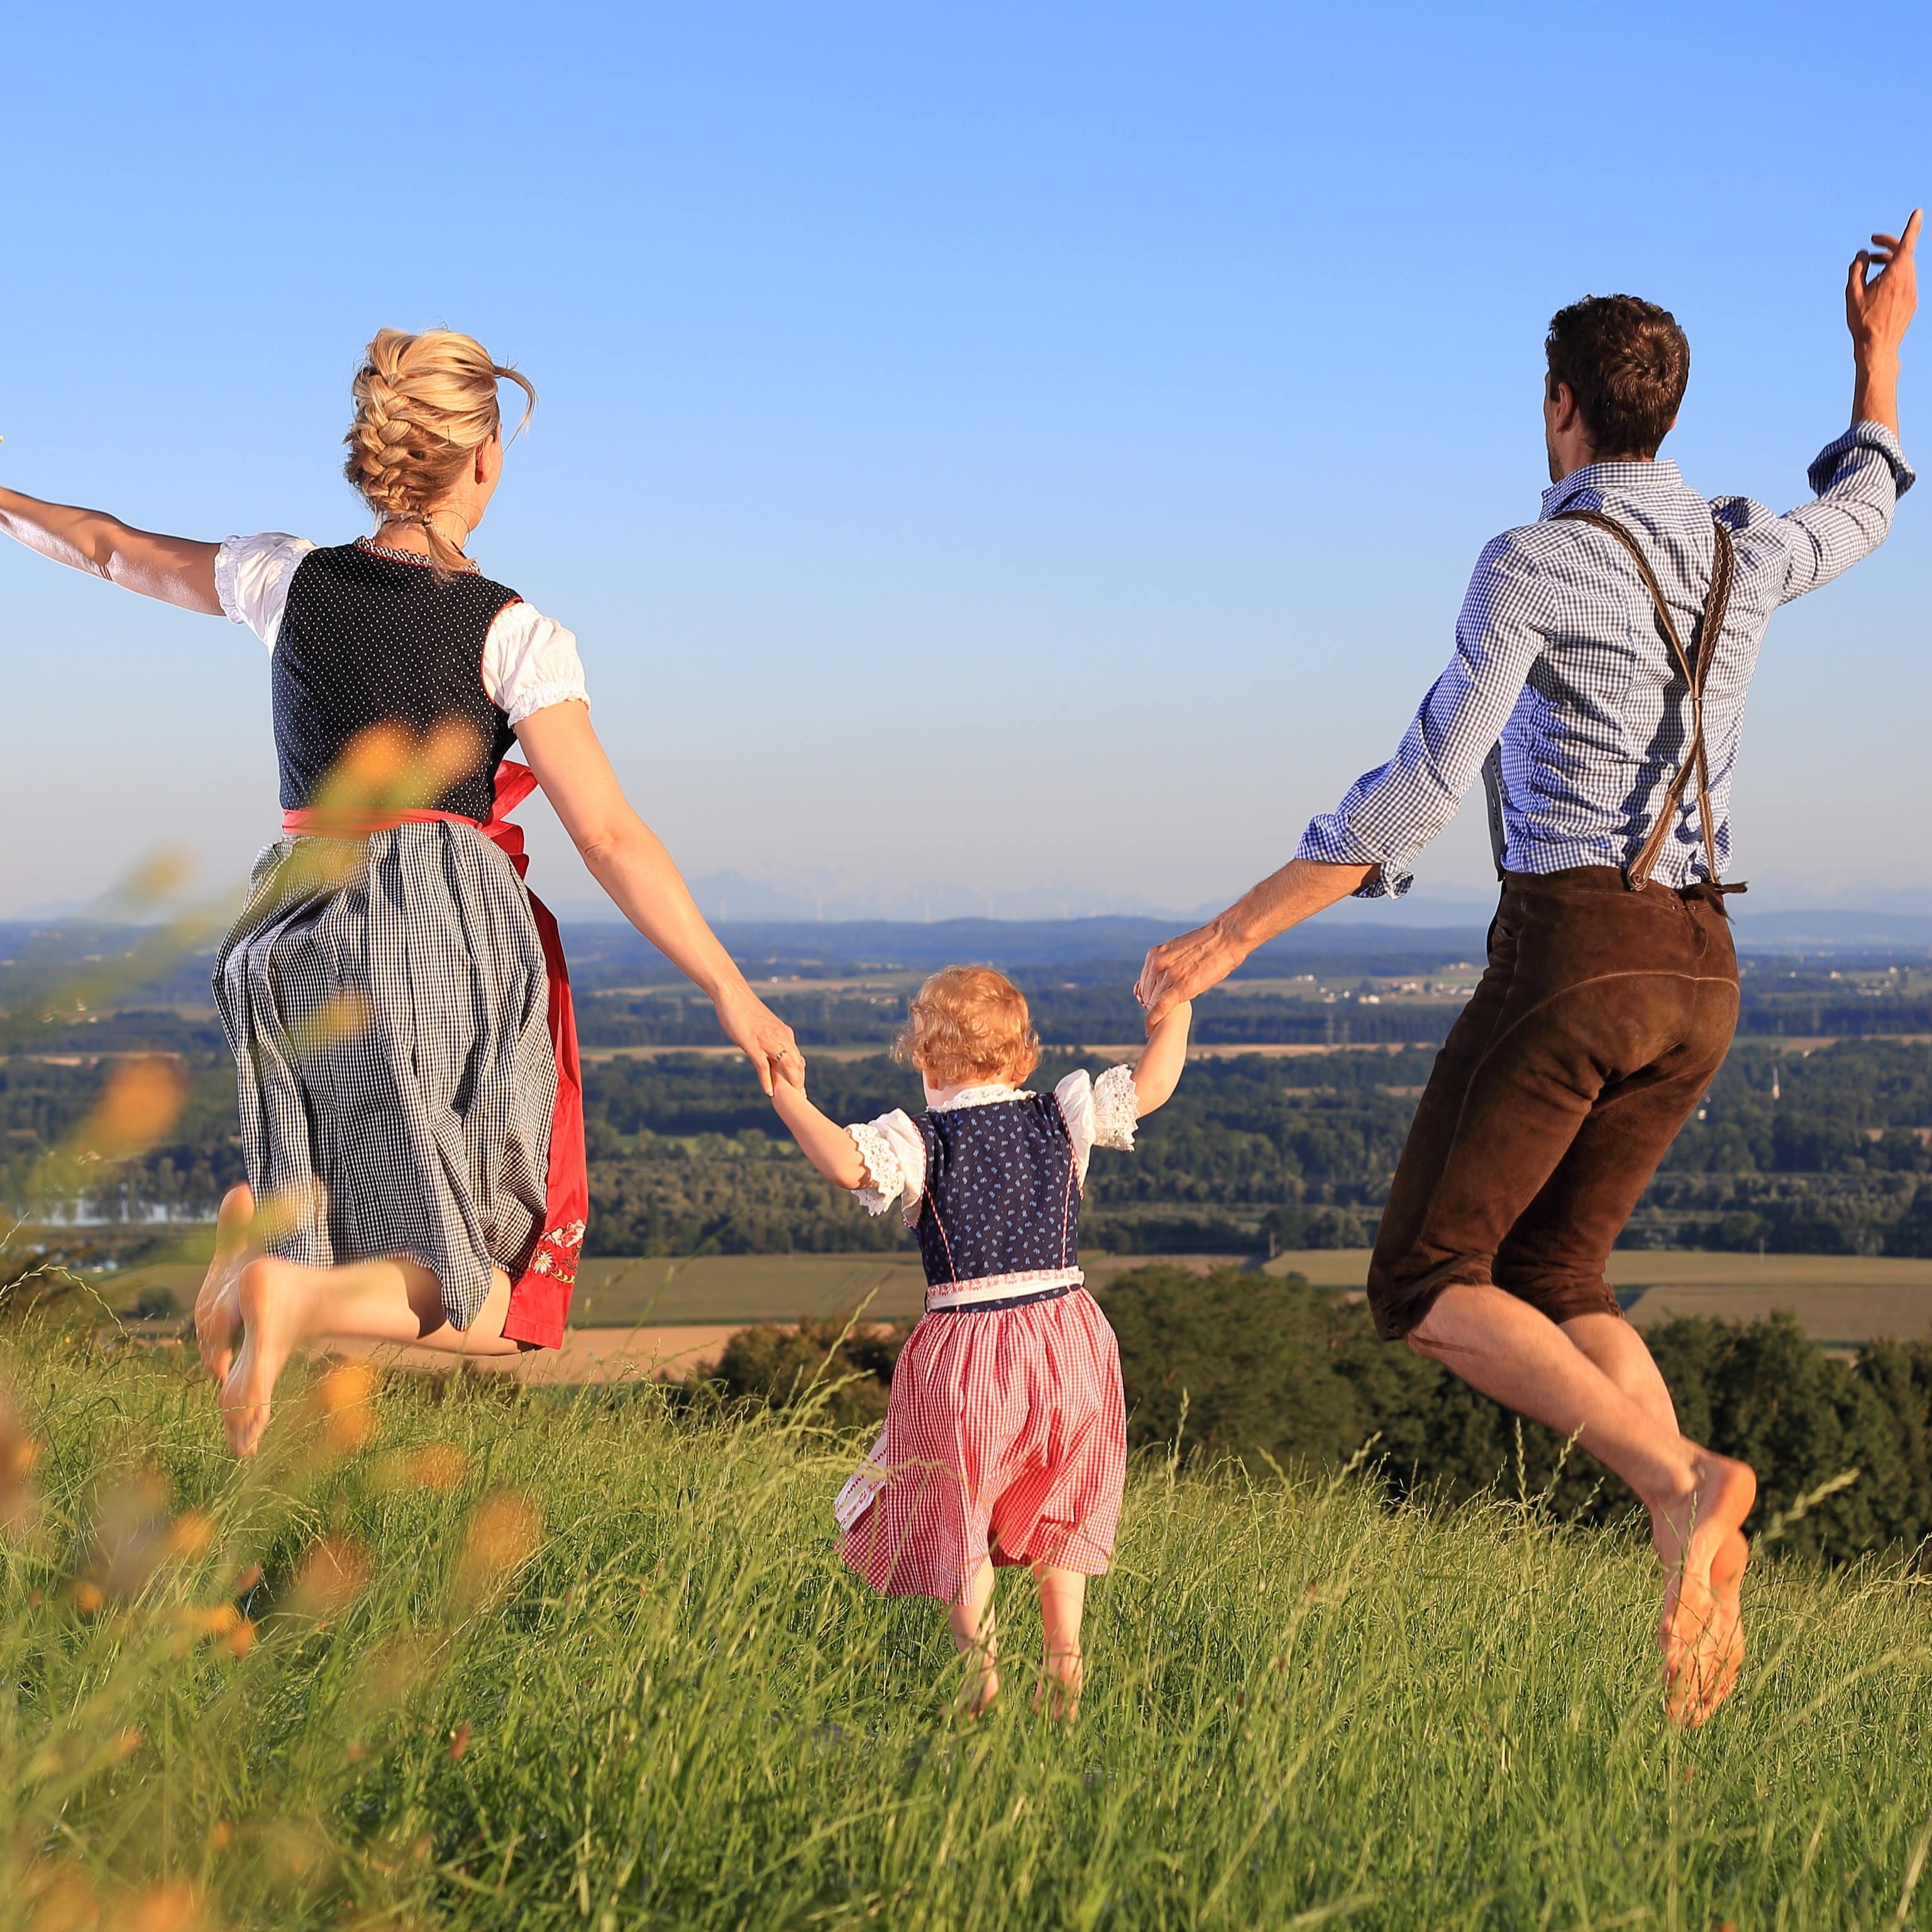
(283, 1306)
(217, 1315)
(1063, 1600)
(976, 1637)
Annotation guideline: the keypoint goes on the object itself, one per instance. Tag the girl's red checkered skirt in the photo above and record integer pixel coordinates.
(1007, 1436)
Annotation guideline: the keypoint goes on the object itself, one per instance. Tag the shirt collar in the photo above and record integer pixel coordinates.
(1611, 479)
(981, 1093)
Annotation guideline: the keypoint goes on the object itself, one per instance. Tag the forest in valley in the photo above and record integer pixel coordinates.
(1810, 1141)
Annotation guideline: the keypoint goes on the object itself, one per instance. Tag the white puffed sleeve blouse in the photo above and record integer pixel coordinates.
(1098, 1113)
(530, 661)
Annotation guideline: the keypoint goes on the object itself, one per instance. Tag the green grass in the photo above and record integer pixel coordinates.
(673, 1708)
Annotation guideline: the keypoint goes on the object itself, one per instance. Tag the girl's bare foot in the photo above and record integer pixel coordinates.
(272, 1296)
(1704, 1553)
(982, 1686)
(1058, 1693)
(217, 1314)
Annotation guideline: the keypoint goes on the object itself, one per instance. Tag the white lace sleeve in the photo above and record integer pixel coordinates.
(894, 1158)
(251, 579)
(530, 663)
(1117, 1109)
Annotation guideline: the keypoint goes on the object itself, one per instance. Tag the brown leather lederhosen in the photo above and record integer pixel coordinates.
(1608, 1005)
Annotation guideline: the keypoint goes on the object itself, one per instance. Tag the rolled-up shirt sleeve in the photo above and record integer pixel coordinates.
(1391, 813)
(1859, 478)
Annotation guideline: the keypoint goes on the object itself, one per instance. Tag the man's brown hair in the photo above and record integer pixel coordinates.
(1626, 363)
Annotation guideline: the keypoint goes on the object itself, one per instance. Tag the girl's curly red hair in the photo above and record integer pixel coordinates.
(969, 1023)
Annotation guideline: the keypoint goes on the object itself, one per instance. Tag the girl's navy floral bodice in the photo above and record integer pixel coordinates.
(1002, 1194)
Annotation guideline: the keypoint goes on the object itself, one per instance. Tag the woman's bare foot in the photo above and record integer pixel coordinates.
(1058, 1693)
(217, 1314)
(273, 1298)
(1704, 1553)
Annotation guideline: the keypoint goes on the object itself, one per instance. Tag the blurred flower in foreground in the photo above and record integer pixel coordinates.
(165, 1908)
(62, 1900)
(143, 1102)
(131, 1538)
(332, 1576)
(435, 1466)
(343, 1401)
(18, 1453)
(503, 1535)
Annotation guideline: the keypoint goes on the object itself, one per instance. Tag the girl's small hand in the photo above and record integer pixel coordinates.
(758, 1033)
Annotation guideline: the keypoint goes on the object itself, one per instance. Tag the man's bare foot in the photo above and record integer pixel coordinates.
(1709, 1666)
(271, 1295)
(1700, 1631)
(982, 1686)
(217, 1315)
(1057, 1694)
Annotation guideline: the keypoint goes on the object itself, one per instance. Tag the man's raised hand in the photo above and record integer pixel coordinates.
(1882, 290)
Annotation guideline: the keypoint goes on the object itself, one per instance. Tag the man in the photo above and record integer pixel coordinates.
(1602, 660)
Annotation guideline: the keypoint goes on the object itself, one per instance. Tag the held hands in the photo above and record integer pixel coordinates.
(763, 1039)
(1174, 973)
(1879, 306)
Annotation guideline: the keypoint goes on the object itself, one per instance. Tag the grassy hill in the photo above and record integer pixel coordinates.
(454, 1655)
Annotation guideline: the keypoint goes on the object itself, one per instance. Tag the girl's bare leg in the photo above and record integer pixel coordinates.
(976, 1637)
(217, 1315)
(1063, 1598)
(282, 1306)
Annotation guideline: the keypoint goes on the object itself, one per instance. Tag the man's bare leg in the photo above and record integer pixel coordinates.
(1697, 1500)
(283, 1306)
(217, 1316)
(1063, 1599)
(1712, 1668)
(976, 1637)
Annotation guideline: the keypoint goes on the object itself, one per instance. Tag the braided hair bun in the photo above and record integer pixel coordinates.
(423, 404)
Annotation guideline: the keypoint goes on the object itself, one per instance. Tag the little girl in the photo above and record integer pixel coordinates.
(1006, 1439)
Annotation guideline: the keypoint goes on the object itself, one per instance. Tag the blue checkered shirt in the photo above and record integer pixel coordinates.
(1560, 670)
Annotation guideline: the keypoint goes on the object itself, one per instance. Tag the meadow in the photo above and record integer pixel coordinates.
(455, 1654)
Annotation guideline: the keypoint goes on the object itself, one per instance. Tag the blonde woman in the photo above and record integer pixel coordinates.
(395, 1000)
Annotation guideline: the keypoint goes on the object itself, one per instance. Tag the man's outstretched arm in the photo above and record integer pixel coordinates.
(1175, 972)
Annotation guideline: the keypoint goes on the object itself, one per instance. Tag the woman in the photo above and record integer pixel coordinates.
(396, 1001)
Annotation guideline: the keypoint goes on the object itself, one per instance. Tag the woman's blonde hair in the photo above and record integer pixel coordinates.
(423, 404)
(969, 1023)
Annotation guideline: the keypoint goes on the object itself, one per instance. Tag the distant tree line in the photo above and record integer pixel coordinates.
(1827, 1152)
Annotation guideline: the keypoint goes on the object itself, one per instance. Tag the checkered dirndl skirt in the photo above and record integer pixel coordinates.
(385, 1000)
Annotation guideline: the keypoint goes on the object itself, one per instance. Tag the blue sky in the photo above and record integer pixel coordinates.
(1036, 450)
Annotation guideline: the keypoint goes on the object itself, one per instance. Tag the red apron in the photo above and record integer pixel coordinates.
(540, 1297)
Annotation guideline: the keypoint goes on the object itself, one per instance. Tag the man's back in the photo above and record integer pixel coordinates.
(1561, 667)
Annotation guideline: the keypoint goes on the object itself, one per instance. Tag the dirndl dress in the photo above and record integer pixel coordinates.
(395, 999)
(1005, 1430)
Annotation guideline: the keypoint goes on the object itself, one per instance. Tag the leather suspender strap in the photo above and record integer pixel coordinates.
(1710, 634)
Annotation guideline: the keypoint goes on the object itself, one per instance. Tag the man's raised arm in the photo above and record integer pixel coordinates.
(1860, 477)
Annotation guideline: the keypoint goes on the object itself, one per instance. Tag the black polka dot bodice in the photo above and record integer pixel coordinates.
(1001, 1195)
(368, 637)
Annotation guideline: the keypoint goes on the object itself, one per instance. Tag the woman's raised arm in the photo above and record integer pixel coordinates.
(177, 570)
(627, 859)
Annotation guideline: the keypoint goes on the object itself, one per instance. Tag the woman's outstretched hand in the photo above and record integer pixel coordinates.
(758, 1033)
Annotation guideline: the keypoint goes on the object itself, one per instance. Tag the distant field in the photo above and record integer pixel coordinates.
(1839, 1300)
